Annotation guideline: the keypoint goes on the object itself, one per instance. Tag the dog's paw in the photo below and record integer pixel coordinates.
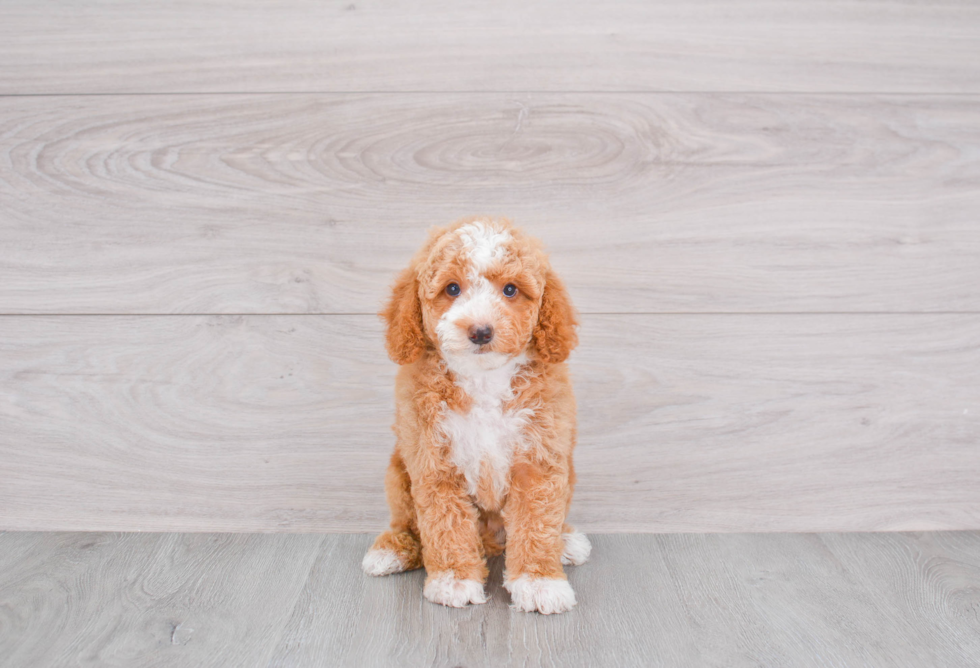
(445, 589)
(546, 595)
(382, 562)
(577, 548)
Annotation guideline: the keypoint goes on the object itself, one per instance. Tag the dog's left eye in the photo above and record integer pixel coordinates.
(510, 290)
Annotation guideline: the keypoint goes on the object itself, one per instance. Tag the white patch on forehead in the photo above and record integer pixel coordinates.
(483, 244)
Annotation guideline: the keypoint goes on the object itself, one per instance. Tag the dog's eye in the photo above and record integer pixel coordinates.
(510, 290)
(452, 289)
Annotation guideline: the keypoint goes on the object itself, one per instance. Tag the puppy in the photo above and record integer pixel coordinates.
(484, 421)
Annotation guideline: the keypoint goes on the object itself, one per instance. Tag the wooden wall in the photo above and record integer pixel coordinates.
(768, 214)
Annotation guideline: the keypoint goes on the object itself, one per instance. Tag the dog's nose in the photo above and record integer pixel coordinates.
(481, 335)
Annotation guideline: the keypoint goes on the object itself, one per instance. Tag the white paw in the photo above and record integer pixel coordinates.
(577, 548)
(546, 595)
(445, 589)
(382, 562)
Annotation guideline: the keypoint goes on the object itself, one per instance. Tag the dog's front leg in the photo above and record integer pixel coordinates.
(452, 550)
(534, 515)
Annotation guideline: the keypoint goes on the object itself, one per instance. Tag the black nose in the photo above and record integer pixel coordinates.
(481, 335)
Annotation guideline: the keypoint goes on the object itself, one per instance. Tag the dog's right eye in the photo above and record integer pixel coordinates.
(452, 289)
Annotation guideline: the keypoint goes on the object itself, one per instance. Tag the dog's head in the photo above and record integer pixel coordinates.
(480, 293)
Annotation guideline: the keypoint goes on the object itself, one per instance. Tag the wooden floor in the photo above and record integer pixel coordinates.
(204, 600)
(768, 213)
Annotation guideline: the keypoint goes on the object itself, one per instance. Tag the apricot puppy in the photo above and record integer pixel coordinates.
(484, 422)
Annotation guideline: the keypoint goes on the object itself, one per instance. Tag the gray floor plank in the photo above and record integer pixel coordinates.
(947, 610)
(644, 600)
(648, 203)
(687, 423)
(125, 600)
(367, 45)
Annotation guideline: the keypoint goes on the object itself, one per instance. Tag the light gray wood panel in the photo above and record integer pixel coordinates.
(687, 423)
(707, 600)
(303, 45)
(85, 599)
(649, 203)
(257, 423)
(713, 418)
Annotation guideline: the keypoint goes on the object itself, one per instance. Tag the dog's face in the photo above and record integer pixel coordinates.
(480, 293)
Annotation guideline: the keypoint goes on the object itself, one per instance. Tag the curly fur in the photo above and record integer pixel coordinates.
(484, 433)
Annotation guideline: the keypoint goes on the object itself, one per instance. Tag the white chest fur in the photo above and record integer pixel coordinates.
(483, 440)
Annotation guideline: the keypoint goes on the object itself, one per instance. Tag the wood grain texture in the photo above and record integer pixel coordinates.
(903, 600)
(369, 45)
(85, 599)
(649, 203)
(688, 423)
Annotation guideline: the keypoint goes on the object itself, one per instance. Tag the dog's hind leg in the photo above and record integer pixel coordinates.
(397, 549)
(576, 547)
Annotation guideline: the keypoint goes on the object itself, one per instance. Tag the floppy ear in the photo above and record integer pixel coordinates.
(403, 316)
(554, 336)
